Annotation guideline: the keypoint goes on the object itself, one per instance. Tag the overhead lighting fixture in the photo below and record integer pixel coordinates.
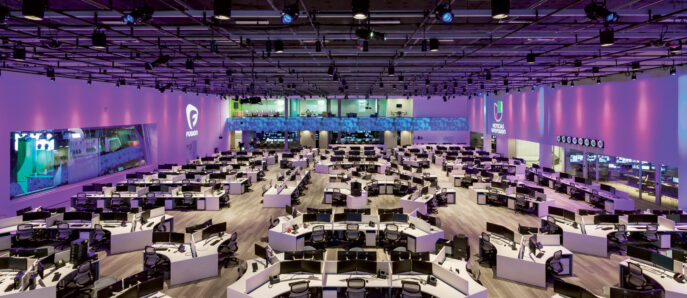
(50, 73)
(279, 46)
(318, 46)
(598, 81)
(606, 37)
(159, 61)
(674, 46)
(634, 76)
(189, 64)
(424, 45)
(138, 15)
(597, 11)
(469, 81)
(426, 82)
(500, 9)
(531, 57)
(289, 14)
(635, 65)
(4, 13)
(366, 46)
(488, 75)
(433, 45)
(577, 63)
(673, 71)
(392, 70)
(222, 9)
(98, 39)
(361, 9)
(33, 9)
(268, 46)
(330, 71)
(19, 53)
(443, 13)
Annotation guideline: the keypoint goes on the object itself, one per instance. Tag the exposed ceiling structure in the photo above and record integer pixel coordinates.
(326, 51)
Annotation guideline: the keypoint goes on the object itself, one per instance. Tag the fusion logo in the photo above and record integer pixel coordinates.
(192, 120)
(497, 127)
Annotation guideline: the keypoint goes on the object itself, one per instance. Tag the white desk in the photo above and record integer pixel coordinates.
(186, 268)
(125, 239)
(45, 287)
(275, 198)
(672, 288)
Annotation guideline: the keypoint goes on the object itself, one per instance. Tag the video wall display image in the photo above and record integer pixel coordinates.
(45, 159)
(348, 124)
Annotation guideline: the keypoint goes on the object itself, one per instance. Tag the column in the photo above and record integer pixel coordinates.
(486, 140)
(287, 103)
(338, 112)
(657, 183)
(598, 170)
(545, 155)
(585, 166)
(640, 179)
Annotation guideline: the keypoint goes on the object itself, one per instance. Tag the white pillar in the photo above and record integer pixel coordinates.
(585, 166)
(657, 183)
(545, 155)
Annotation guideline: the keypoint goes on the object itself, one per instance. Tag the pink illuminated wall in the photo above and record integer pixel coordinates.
(636, 119)
(32, 102)
(436, 107)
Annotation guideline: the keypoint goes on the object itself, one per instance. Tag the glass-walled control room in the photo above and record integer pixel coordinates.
(322, 107)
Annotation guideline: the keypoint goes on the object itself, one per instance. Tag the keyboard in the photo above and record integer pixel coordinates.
(56, 277)
(215, 242)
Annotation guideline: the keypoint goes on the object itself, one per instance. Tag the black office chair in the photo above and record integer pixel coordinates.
(635, 278)
(651, 234)
(160, 227)
(554, 266)
(352, 233)
(300, 289)
(99, 237)
(410, 289)
(355, 288)
(487, 250)
(318, 236)
(116, 202)
(153, 263)
(520, 204)
(25, 233)
(391, 235)
(79, 283)
(64, 235)
(151, 201)
(189, 201)
(338, 198)
(227, 252)
(618, 239)
(550, 227)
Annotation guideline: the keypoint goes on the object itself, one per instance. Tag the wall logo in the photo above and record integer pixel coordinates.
(192, 120)
(498, 110)
(496, 126)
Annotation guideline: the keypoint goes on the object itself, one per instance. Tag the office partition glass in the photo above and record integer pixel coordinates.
(315, 107)
(41, 160)
(476, 140)
(528, 151)
(266, 108)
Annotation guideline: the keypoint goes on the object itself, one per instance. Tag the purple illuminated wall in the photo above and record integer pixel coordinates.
(33, 103)
(437, 107)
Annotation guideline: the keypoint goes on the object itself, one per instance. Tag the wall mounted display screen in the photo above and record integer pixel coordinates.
(347, 124)
(41, 160)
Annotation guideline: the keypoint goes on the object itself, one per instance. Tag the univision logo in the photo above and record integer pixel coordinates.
(498, 111)
(192, 120)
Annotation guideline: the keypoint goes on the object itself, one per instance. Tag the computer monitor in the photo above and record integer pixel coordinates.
(150, 286)
(324, 217)
(662, 261)
(29, 216)
(131, 292)
(386, 217)
(122, 188)
(400, 217)
(155, 188)
(145, 215)
(679, 255)
(355, 216)
(214, 229)
(642, 218)
(570, 290)
(17, 263)
(399, 267)
(366, 266)
(607, 188)
(113, 216)
(261, 252)
(288, 209)
(345, 266)
(606, 218)
(424, 190)
(422, 267)
(161, 237)
(580, 180)
(639, 253)
(500, 230)
(418, 180)
(340, 217)
(562, 213)
(309, 217)
(85, 216)
(177, 238)
(460, 248)
(627, 293)
(564, 175)
(313, 267)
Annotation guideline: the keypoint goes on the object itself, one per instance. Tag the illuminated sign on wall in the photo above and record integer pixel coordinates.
(347, 124)
(584, 142)
(192, 120)
(43, 142)
(497, 127)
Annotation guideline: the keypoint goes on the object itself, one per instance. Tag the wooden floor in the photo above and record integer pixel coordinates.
(247, 217)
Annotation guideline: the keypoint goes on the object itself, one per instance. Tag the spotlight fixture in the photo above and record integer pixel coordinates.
(50, 73)
(138, 15)
(279, 46)
(361, 9)
(598, 81)
(381, 84)
(268, 46)
(424, 45)
(330, 71)
(289, 14)
(366, 46)
(595, 69)
(392, 70)
(674, 46)
(635, 65)
(4, 13)
(318, 46)
(400, 78)
(531, 57)
(505, 82)
(19, 53)
(222, 9)
(634, 76)
(426, 82)
(443, 13)
(469, 81)
(433, 44)
(488, 75)
(500, 9)
(598, 11)
(98, 39)
(577, 63)
(366, 34)
(33, 9)
(606, 37)
(673, 71)
(159, 61)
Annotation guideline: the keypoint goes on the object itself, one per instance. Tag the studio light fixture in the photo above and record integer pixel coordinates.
(289, 14)
(423, 45)
(318, 46)
(361, 9)
(19, 53)
(606, 37)
(33, 9)
(635, 65)
(433, 44)
(366, 46)
(599, 12)
(634, 76)
(426, 82)
(500, 9)
(190, 64)
(674, 46)
(487, 76)
(598, 81)
(443, 13)
(279, 46)
(222, 9)
(330, 71)
(163, 59)
(98, 39)
(673, 71)
(391, 70)
(531, 57)
(138, 15)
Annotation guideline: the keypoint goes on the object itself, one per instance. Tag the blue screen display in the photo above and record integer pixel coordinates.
(270, 124)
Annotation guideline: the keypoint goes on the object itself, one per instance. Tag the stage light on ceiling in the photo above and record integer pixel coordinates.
(673, 71)
(634, 76)
(598, 81)
(4, 14)
(488, 75)
(98, 39)
(423, 45)
(19, 53)
(33, 9)
(366, 46)
(433, 44)
(531, 57)
(50, 73)
(635, 65)
(426, 82)
(500, 9)
(279, 46)
(159, 61)
(392, 70)
(189, 64)
(361, 9)
(222, 9)
(443, 13)
(400, 78)
(577, 63)
(597, 11)
(606, 37)
(128, 19)
(469, 81)
(289, 14)
(318, 46)
(268, 46)
(674, 46)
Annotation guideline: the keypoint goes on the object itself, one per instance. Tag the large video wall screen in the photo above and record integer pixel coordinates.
(347, 124)
(45, 159)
